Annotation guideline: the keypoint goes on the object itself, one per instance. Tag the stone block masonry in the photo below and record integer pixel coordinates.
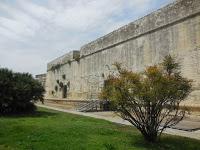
(174, 29)
(41, 78)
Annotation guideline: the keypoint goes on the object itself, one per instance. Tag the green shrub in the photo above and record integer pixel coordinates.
(18, 92)
(77, 58)
(149, 100)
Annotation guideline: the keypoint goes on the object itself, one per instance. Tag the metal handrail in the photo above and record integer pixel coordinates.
(92, 105)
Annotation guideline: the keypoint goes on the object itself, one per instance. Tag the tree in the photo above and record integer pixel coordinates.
(149, 100)
(18, 92)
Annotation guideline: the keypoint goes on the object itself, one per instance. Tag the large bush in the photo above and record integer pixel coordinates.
(149, 100)
(18, 92)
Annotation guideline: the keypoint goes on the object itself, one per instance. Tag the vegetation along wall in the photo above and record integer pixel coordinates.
(174, 29)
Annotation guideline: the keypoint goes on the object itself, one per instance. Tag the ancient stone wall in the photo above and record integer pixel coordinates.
(41, 78)
(174, 29)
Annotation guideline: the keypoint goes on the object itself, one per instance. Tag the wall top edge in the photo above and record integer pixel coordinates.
(162, 17)
(64, 58)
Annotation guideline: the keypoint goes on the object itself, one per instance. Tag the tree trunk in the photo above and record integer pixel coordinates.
(150, 136)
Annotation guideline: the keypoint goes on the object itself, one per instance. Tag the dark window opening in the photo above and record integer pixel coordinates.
(64, 76)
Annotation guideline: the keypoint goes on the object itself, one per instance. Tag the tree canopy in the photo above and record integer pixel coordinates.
(18, 92)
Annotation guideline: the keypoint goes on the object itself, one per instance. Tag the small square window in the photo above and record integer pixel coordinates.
(64, 76)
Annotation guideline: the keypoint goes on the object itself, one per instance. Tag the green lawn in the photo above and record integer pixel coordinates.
(52, 130)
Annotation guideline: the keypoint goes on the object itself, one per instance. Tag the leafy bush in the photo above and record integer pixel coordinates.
(149, 100)
(18, 92)
(77, 58)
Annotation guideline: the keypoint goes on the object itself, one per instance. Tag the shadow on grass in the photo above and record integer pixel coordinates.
(168, 142)
(35, 114)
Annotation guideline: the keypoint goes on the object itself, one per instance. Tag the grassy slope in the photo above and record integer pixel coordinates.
(51, 130)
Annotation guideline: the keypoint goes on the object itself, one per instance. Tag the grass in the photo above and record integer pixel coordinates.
(52, 130)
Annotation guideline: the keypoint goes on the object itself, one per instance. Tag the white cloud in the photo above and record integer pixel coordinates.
(34, 32)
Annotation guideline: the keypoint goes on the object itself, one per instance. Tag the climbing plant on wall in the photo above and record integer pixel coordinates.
(55, 67)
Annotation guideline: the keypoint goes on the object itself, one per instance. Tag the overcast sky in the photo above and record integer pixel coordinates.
(34, 32)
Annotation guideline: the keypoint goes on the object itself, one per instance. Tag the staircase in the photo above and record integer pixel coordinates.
(92, 105)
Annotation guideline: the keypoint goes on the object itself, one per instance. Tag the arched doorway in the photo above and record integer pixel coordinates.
(64, 92)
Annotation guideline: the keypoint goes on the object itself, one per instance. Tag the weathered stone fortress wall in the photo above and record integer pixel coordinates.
(41, 78)
(174, 29)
